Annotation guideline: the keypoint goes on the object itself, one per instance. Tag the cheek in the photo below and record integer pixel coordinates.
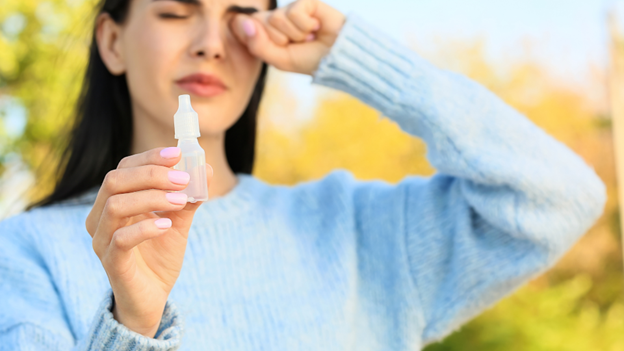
(247, 69)
(151, 55)
(245, 73)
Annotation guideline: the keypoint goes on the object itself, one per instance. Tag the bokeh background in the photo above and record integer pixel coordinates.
(550, 59)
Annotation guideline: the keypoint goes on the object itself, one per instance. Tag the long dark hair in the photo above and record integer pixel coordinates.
(102, 131)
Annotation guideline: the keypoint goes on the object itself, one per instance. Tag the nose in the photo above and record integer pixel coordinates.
(209, 41)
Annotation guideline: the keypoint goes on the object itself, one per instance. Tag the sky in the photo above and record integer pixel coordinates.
(568, 32)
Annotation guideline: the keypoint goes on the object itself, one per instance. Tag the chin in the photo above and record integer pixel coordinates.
(213, 130)
(212, 126)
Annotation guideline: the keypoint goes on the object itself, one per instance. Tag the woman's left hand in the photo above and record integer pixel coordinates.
(292, 38)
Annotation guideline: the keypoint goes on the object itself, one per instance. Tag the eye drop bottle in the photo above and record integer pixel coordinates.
(193, 160)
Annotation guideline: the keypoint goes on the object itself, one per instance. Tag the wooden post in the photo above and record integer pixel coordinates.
(616, 100)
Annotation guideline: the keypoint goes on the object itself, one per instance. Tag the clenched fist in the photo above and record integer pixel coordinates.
(292, 38)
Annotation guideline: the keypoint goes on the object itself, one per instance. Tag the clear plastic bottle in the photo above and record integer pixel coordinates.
(193, 159)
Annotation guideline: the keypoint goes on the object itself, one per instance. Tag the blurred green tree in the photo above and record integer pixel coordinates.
(43, 50)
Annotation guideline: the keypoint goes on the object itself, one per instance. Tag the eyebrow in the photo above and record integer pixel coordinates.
(231, 8)
(240, 9)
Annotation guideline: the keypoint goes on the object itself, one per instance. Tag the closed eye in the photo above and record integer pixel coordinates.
(171, 16)
(230, 9)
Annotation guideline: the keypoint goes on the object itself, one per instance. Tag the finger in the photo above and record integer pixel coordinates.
(117, 256)
(126, 180)
(126, 238)
(162, 156)
(180, 221)
(276, 36)
(121, 207)
(183, 218)
(278, 20)
(301, 14)
(166, 157)
(252, 33)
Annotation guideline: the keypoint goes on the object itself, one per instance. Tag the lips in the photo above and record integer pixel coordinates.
(201, 84)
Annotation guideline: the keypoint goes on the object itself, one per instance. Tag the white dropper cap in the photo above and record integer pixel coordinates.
(185, 120)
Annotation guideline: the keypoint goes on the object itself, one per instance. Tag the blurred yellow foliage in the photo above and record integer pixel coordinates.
(344, 133)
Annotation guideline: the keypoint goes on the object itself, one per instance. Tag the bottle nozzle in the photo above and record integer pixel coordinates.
(185, 120)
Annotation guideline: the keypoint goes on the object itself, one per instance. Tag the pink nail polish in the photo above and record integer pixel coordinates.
(178, 177)
(177, 198)
(170, 152)
(317, 27)
(249, 28)
(163, 223)
(310, 37)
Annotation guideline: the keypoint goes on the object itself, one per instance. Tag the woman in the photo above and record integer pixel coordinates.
(333, 264)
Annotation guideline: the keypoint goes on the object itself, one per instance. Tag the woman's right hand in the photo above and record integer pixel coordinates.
(139, 230)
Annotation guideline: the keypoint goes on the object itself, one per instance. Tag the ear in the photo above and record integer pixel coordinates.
(108, 38)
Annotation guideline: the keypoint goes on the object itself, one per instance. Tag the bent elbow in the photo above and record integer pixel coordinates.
(591, 199)
(583, 205)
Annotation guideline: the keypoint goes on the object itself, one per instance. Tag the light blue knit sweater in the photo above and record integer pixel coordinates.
(337, 263)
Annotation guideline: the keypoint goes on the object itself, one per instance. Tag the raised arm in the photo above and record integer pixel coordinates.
(508, 200)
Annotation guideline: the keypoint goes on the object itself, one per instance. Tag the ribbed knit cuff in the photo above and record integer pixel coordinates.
(108, 334)
(369, 64)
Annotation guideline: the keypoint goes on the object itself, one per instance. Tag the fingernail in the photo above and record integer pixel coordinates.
(249, 28)
(177, 198)
(170, 152)
(317, 27)
(310, 37)
(163, 223)
(178, 177)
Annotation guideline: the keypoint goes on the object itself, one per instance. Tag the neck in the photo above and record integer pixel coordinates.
(148, 134)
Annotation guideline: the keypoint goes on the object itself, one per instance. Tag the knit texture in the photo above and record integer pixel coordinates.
(335, 263)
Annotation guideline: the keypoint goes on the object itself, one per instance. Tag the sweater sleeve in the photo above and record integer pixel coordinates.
(507, 200)
(33, 316)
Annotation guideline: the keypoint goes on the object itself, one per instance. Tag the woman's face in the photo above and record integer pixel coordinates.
(171, 47)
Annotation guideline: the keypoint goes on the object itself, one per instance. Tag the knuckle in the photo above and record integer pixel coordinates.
(110, 180)
(298, 5)
(123, 162)
(112, 206)
(144, 229)
(96, 249)
(277, 19)
(89, 225)
(282, 41)
(118, 241)
(152, 173)
(292, 12)
(277, 37)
